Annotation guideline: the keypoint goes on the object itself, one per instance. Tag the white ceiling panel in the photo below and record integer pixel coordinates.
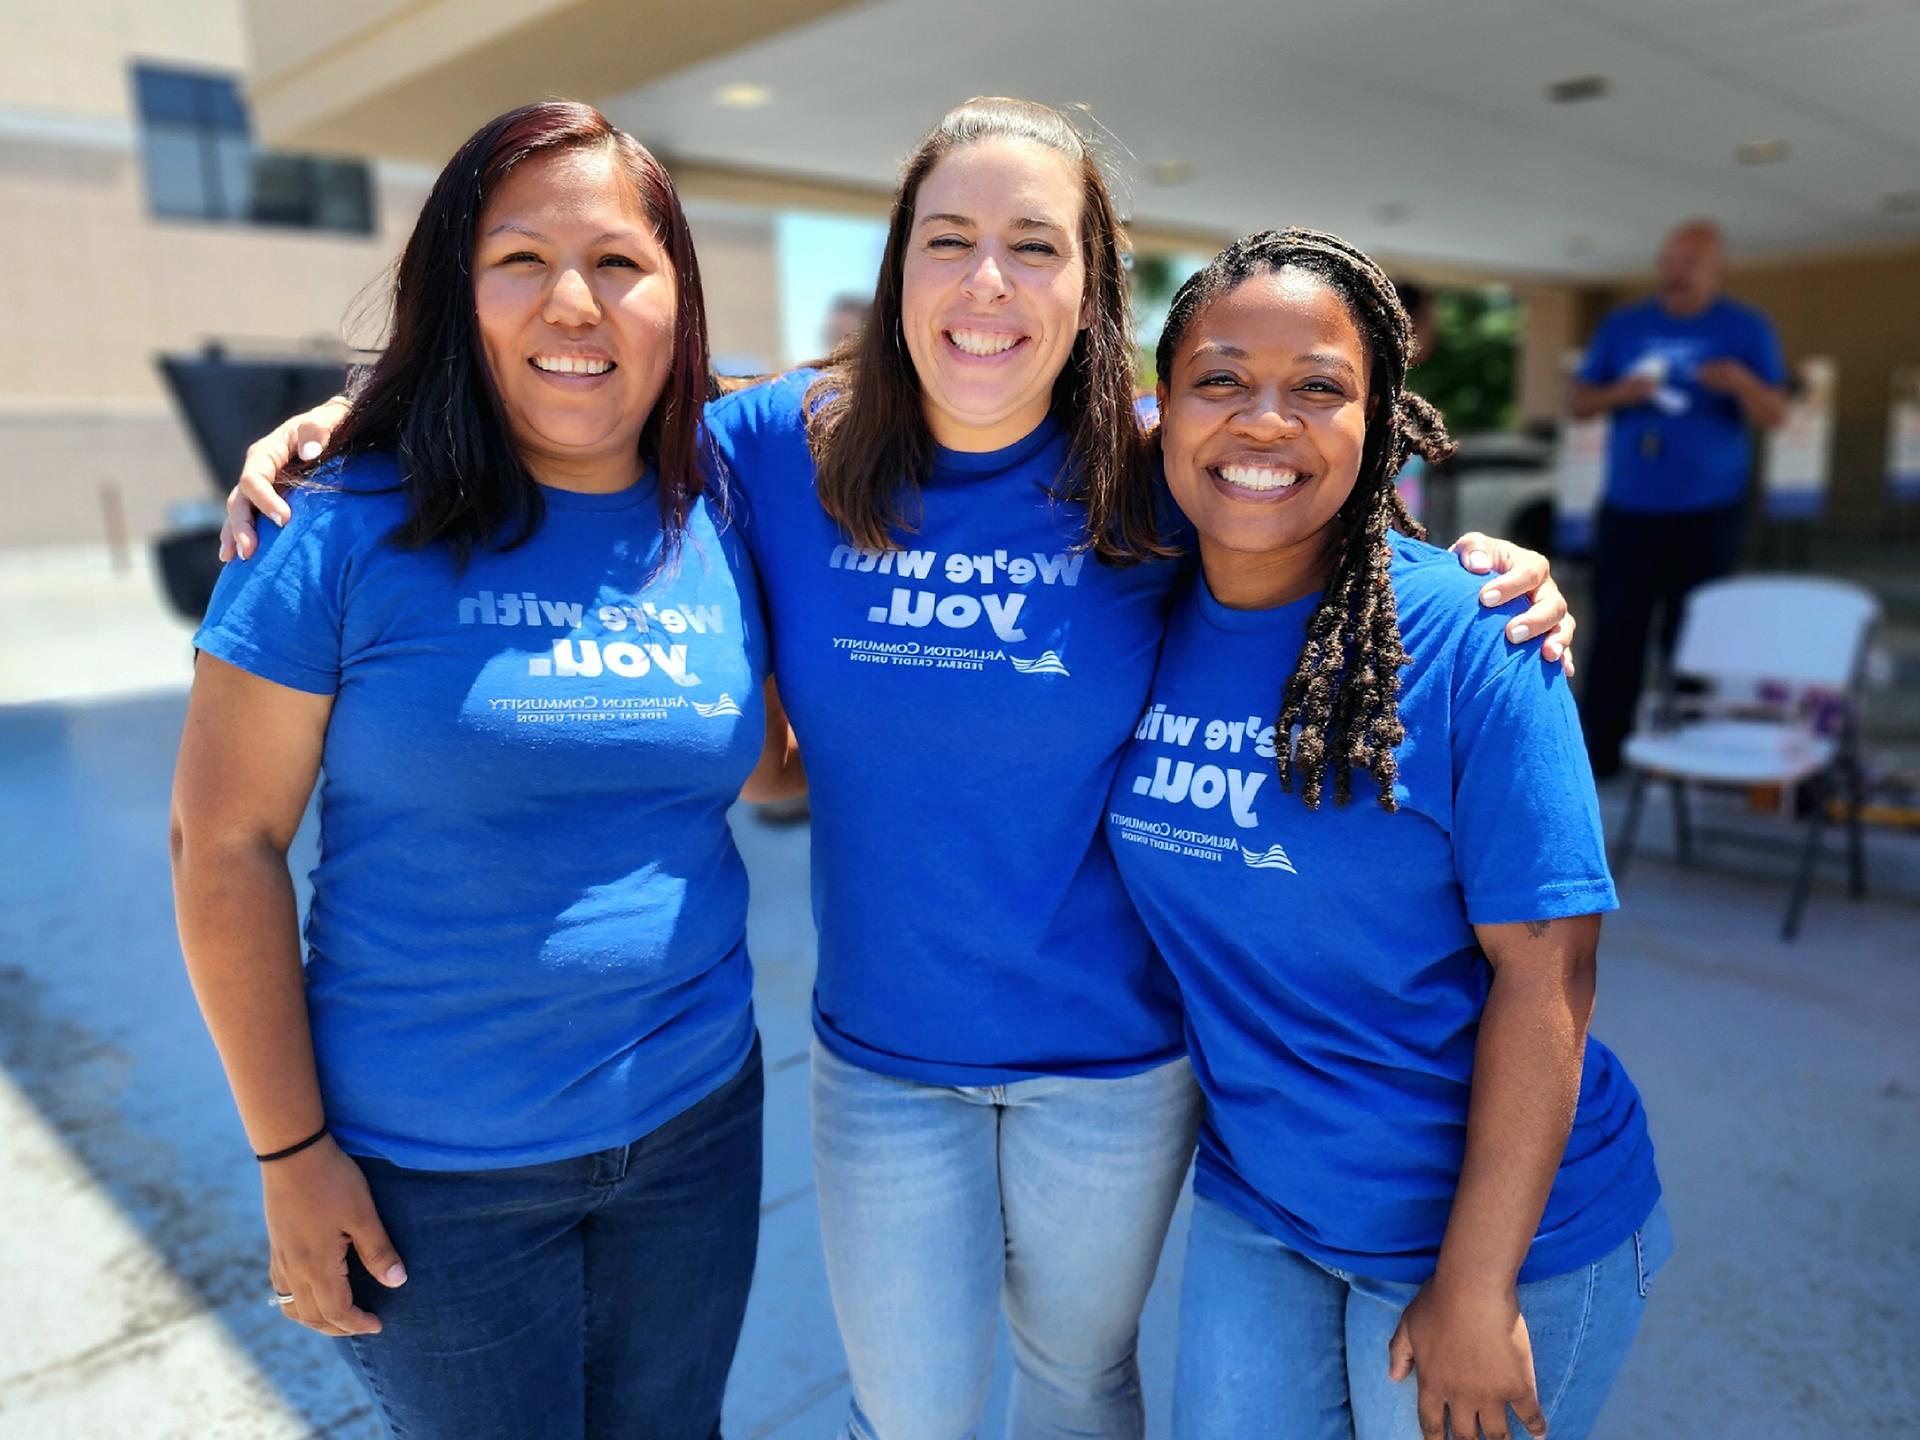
(1417, 126)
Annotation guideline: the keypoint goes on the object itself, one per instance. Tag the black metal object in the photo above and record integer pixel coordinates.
(1682, 823)
(1817, 791)
(189, 565)
(228, 402)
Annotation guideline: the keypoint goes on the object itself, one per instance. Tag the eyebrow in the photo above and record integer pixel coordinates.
(1324, 358)
(1025, 222)
(1328, 360)
(510, 227)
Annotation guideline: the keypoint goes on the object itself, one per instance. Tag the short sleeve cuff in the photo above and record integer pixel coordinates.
(224, 645)
(1542, 902)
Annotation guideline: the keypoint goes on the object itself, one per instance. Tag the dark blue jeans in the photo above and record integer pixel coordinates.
(579, 1300)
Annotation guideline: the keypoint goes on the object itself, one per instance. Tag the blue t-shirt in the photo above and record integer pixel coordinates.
(1687, 448)
(1327, 958)
(960, 704)
(528, 931)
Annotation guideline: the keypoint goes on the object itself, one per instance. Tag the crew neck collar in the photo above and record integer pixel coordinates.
(984, 464)
(559, 499)
(1270, 617)
(1711, 309)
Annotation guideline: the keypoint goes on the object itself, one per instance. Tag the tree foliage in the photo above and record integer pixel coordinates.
(1469, 374)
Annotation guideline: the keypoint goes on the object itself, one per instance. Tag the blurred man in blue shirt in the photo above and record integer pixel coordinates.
(1684, 377)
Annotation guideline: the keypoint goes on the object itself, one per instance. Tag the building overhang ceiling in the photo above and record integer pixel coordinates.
(1422, 128)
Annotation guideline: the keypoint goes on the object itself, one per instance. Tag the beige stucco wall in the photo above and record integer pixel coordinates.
(95, 287)
(740, 277)
(69, 57)
(1553, 322)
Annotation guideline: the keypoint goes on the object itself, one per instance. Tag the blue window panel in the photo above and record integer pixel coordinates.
(212, 102)
(343, 196)
(282, 190)
(232, 158)
(167, 96)
(177, 173)
(202, 163)
(226, 109)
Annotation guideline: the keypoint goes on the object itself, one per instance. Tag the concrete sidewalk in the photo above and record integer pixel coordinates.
(1783, 1084)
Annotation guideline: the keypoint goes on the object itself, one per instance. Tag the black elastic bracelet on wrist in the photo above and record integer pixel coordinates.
(313, 1139)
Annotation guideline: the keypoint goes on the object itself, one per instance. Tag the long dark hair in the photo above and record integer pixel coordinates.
(1344, 692)
(870, 442)
(431, 398)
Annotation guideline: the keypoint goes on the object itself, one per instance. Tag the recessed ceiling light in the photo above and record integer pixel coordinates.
(1900, 202)
(1762, 152)
(1577, 88)
(1170, 172)
(743, 96)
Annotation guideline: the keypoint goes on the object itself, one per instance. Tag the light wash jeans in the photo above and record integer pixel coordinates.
(936, 1202)
(1273, 1343)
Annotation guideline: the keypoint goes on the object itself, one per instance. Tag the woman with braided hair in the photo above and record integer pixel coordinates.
(1423, 1194)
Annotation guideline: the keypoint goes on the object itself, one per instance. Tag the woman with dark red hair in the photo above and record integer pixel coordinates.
(508, 1119)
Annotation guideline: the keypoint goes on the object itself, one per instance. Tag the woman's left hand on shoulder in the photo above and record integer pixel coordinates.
(1471, 1356)
(1517, 570)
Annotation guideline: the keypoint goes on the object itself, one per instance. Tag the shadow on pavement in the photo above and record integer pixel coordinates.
(98, 1029)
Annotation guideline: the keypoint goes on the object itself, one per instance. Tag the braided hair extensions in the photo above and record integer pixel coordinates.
(1343, 694)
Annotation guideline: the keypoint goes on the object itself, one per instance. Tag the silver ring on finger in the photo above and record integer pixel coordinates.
(281, 1300)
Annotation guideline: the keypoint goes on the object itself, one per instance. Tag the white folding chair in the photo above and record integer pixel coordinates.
(1759, 646)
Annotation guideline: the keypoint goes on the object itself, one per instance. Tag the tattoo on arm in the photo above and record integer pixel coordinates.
(1537, 928)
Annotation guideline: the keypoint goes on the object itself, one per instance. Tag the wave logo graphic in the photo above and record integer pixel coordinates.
(1046, 663)
(723, 706)
(1271, 858)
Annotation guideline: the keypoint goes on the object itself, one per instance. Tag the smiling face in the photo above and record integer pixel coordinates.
(1263, 426)
(993, 289)
(575, 299)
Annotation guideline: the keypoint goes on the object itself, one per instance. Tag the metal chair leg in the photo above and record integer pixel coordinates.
(1630, 827)
(1803, 881)
(1682, 822)
(1856, 838)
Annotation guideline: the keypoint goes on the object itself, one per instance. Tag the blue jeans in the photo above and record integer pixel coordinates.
(594, 1297)
(938, 1201)
(1272, 1343)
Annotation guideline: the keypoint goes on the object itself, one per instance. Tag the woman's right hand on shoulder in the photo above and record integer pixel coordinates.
(303, 437)
(318, 1205)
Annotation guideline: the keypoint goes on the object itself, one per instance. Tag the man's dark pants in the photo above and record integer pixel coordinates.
(1644, 563)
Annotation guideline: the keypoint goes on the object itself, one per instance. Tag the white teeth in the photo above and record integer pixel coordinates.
(983, 342)
(1258, 477)
(571, 365)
